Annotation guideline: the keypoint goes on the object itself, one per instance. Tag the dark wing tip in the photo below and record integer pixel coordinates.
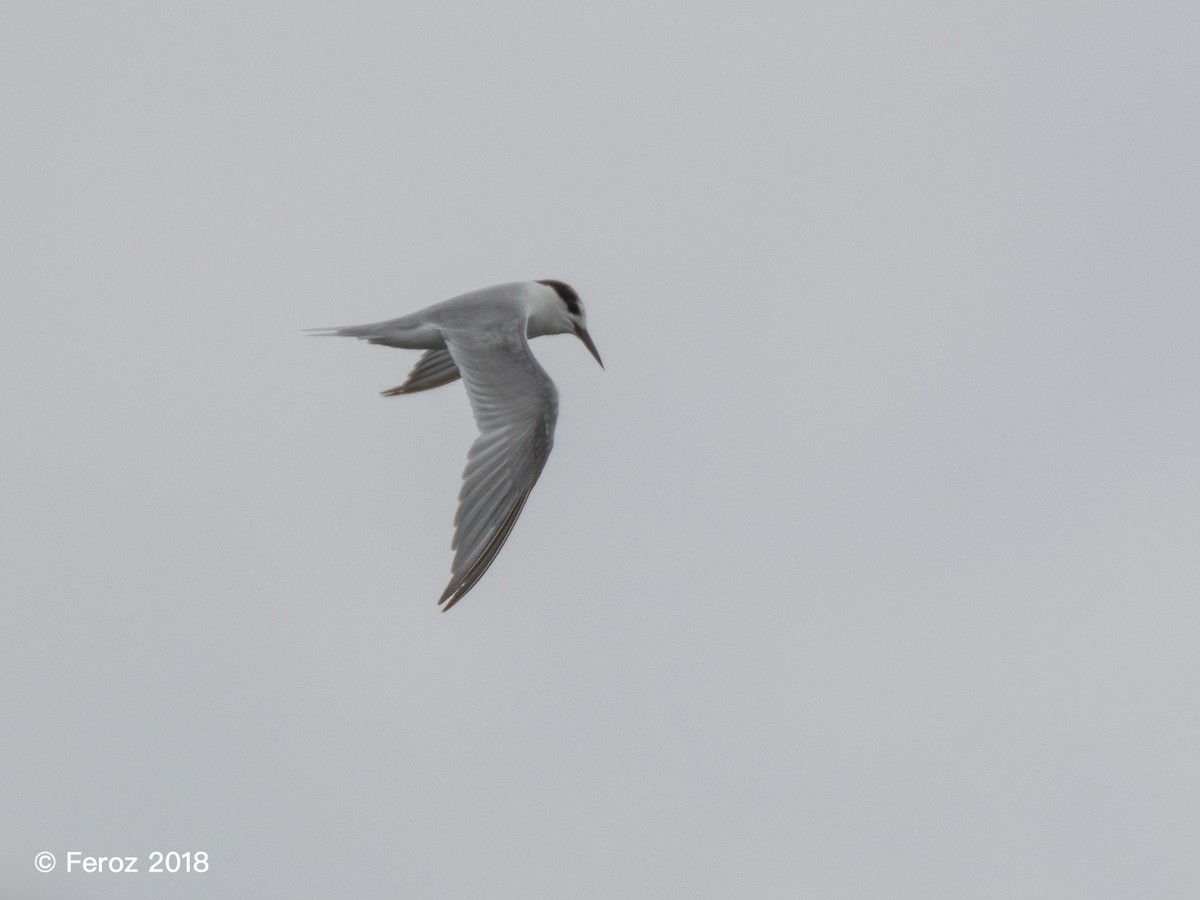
(460, 585)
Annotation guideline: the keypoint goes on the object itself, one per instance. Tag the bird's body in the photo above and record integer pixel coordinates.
(483, 337)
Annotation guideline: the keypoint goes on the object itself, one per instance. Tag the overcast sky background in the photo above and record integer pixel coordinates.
(868, 568)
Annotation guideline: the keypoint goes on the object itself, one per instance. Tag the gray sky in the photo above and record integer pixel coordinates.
(868, 568)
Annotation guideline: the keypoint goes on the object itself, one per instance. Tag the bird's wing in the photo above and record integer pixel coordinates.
(515, 405)
(433, 369)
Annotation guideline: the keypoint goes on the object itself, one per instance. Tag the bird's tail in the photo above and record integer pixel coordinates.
(358, 331)
(408, 332)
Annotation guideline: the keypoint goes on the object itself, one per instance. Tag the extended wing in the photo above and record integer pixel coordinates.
(516, 407)
(433, 369)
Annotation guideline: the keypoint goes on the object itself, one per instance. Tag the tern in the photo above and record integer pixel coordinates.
(483, 338)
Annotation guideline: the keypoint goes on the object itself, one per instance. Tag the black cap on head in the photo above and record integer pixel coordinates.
(566, 292)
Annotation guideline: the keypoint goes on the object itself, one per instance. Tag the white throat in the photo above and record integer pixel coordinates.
(546, 312)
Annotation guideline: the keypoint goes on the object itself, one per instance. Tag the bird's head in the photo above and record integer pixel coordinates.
(564, 314)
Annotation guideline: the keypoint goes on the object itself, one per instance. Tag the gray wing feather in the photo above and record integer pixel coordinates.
(433, 369)
(516, 407)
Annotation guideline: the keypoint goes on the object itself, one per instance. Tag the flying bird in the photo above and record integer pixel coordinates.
(483, 337)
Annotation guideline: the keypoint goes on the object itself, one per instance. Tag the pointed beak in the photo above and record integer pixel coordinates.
(582, 334)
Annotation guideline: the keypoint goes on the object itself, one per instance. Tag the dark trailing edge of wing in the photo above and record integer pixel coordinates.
(433, 369)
